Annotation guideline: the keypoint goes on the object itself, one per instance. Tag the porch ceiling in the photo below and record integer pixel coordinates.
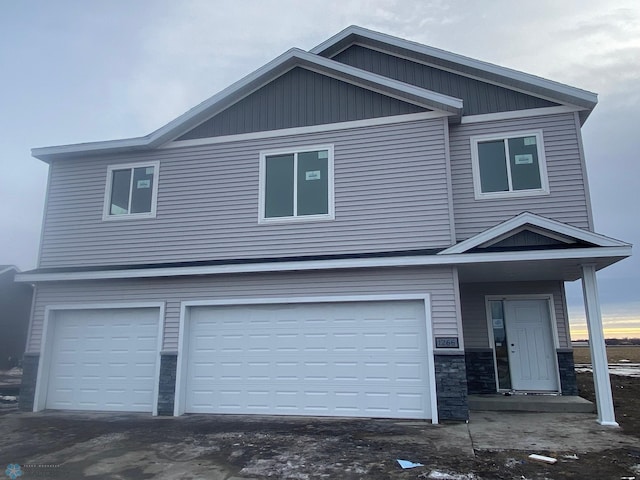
(566, 270)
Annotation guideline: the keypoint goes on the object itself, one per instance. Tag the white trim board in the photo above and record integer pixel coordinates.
(285, 132)
(617, 252)
(583, 96)
(179, 400)
(531, 112)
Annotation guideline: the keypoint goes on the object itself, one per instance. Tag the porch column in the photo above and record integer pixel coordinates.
(606, 414)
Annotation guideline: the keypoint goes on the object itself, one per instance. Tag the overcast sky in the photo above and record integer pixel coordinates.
(77, 71)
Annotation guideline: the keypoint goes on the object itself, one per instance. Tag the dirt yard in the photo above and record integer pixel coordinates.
(226, 448)
(615, 354)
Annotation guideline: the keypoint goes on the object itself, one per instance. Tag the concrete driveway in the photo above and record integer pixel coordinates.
(137, 446)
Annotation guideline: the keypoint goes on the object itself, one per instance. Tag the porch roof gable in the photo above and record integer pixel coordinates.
(541, 225)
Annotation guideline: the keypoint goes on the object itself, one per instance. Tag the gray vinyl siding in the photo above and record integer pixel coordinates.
(479, 97)
(439, 282)
(474, 314)
(567, 200)
(300, 98)
(390, 194)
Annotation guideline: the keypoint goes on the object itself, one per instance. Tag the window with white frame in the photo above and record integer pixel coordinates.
(509, 165)
(296, 184)
(131, 191)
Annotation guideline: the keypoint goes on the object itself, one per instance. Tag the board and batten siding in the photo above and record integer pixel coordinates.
(479, 97)
(438, 282)
(474, 313)
(390, 194)
(567, 201)
(300, 98)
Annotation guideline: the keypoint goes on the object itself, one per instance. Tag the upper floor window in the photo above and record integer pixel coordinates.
(131, 191)
(509, 165)
(296, 184)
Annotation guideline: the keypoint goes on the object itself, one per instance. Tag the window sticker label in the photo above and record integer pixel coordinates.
(143, 184)
(529, 140)
(322, 154)
(525, 159)
(149, 170)
(312, 175)
(498, 323)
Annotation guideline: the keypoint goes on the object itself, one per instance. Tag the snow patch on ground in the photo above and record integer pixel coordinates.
(436, 475)
(624, 369)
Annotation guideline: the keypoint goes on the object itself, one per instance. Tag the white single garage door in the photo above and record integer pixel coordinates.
(103, 359)
(359, 359)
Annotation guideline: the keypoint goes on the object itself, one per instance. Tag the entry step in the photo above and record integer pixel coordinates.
(531, 403)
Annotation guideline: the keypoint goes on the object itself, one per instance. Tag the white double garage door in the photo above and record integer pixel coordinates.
(355, 358)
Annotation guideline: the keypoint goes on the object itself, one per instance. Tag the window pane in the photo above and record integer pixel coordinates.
(121, 182)
(525, 169)
(313, 190)
(501, 347)
(493, 166)
(278, 196)
(142, 190)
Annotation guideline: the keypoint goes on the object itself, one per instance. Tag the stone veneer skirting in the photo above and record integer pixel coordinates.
(481, 373)
(566, 366)
(29, 376)
(167, 383)
(451, 387)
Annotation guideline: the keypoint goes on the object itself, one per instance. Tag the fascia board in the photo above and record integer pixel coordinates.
(46, 154)
(189, 119)
(586, 254)
(290, 59)
(528, 218)
(494, 72)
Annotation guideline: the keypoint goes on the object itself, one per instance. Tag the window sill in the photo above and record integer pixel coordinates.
(514, 194)
(129, 216)
(301, 218)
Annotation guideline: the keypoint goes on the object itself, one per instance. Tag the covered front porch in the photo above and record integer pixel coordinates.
(515, 322)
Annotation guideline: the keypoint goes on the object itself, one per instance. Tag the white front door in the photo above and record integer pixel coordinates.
(530, 346)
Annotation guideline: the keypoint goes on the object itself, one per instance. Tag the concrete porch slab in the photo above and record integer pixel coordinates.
(551, 432)
(530, 403)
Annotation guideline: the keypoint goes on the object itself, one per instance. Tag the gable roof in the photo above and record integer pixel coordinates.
(460, 64)
(319, 60)
(545, 226)
(232, 94)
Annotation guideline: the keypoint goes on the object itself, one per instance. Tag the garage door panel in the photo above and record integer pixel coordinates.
(355, 359)
(394, 402)
(103, 359)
